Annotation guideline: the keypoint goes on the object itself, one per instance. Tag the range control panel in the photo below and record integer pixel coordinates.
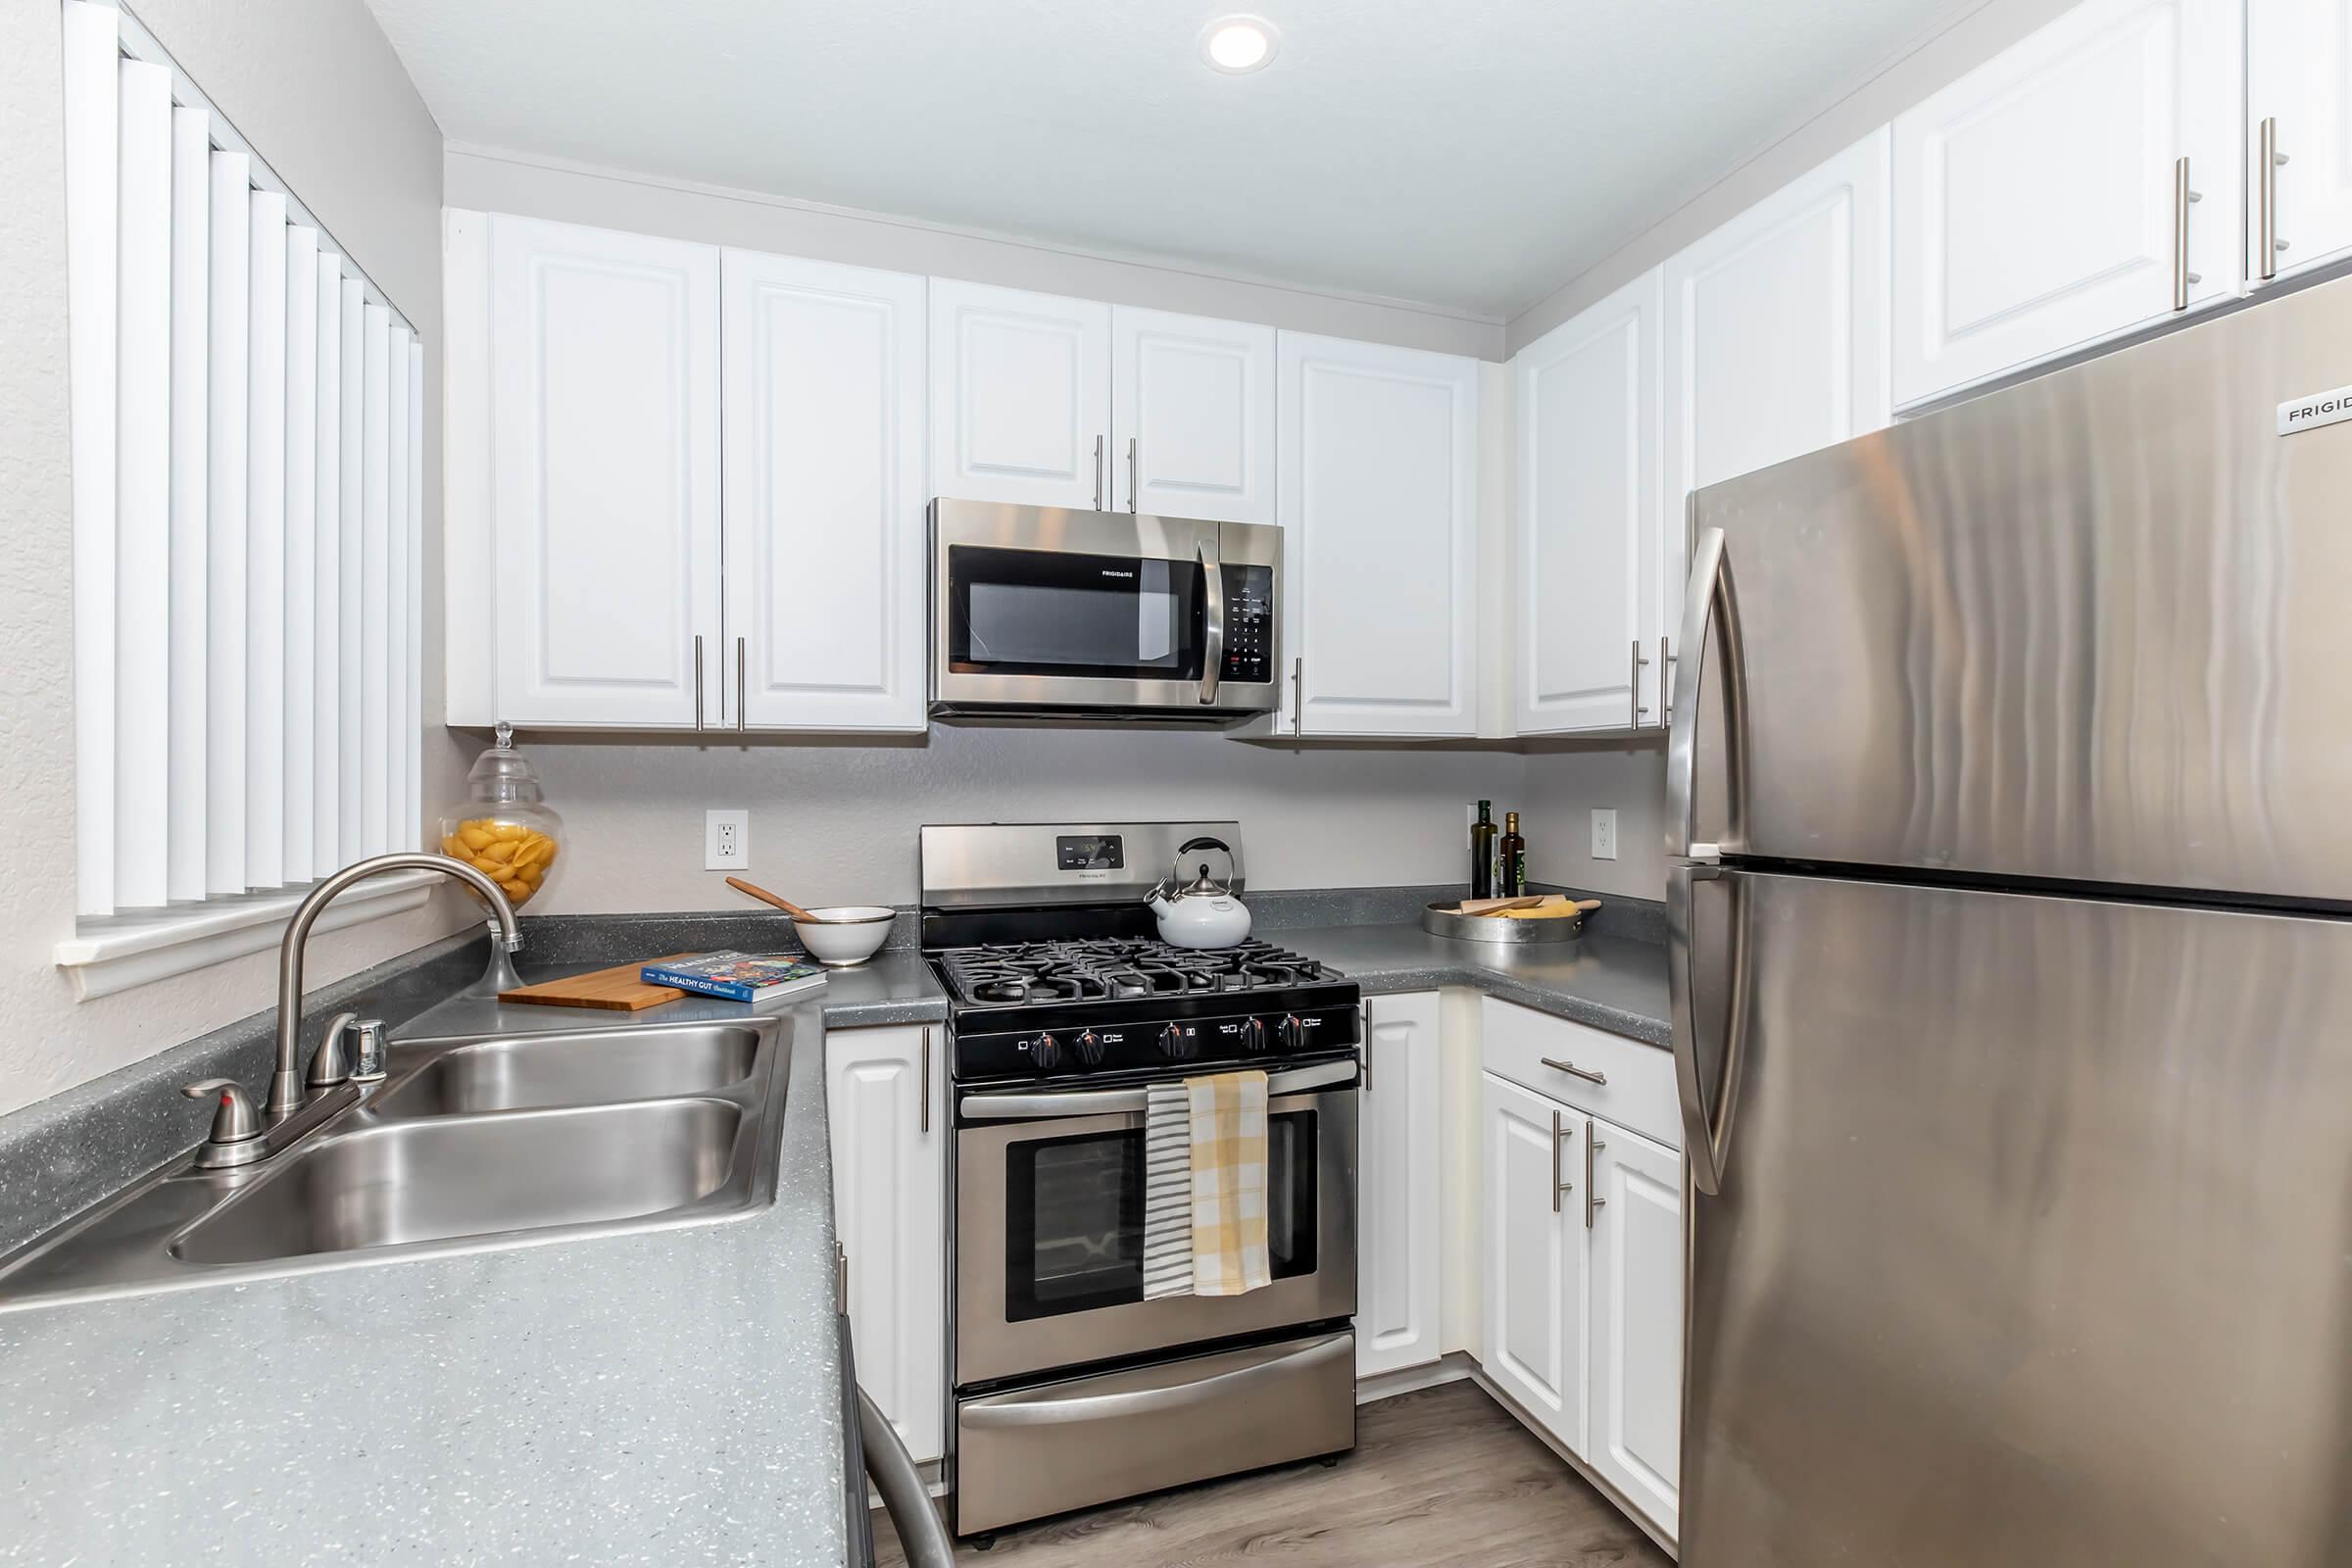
(1248, 624)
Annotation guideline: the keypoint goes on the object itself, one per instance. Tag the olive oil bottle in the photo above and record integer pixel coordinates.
(1482, 852)
(1514, 858)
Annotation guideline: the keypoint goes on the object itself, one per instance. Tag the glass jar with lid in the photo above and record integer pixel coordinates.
(504, 828)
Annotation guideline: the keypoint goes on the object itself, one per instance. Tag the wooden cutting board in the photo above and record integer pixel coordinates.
(614, 990)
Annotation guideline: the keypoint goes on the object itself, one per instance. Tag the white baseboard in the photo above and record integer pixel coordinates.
(1452, 1367)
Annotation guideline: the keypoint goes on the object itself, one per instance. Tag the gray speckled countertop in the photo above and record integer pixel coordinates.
(666, 1397)
(894, 986)
(1612, 983)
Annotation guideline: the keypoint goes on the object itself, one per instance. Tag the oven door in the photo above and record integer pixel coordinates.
(1050, 1227)
(1037, 609)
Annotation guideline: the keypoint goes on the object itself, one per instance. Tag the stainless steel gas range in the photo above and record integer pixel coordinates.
(1069, 1388)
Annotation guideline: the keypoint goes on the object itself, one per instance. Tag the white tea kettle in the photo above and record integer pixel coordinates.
(1201, 913)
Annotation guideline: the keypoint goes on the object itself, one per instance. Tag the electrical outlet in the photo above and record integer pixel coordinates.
(1604, 833)
(726, 841)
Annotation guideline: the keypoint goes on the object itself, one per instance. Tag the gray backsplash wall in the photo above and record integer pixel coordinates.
(836, 822)
(1564, 782)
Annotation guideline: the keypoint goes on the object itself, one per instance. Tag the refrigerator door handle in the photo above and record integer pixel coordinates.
(1707, 1120)
(1708, 606)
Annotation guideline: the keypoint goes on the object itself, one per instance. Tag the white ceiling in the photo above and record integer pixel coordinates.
(1450, 152)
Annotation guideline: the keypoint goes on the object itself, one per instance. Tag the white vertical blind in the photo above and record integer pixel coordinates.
(376, 573)
(191, 391)
(143, 488)
(412, 726)
(327, 646)
(248, 492)
(225, 568)
(299, 758)
(265, 548)
(351, 814)
(91, 51)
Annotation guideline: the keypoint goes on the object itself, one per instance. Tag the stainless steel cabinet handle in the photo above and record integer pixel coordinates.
(1297, 696)
(1131, 474)
(2270, 160)
(926, 1116)
(742, 691)
(2183, 197)
(1558, 1131)
(1592, 1145)
(1212, 614)
(1665, 682)
(1097, 474)
(1574, 1071)
(1634, 684)
(698, 680)
(1363, 1031)
(1709, 606)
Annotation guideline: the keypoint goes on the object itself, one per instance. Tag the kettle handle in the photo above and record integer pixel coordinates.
(1174, 880)
(1203, 843)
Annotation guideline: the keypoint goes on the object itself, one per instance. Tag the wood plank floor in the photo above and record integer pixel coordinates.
(1441, 1477)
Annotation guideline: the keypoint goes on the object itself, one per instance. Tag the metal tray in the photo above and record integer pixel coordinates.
(1439, 921)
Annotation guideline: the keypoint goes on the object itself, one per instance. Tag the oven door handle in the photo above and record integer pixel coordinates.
(1130, 1101)
(1045, 1408)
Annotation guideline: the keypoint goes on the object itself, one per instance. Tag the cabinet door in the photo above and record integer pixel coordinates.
(886, 1110)
(1192, 417)
(2300, 74)
(1635, 1413)
(1378, 501)
(2034, 197)
(824, 496)
(1536, 1286)
(1776, 340)
(1020, 396)
(605, 446)
(1397, 1186)
(1592, 530)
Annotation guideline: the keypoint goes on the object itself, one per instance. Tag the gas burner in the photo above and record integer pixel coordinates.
(1021, 974)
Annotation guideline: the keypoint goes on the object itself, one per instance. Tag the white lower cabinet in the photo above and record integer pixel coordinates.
(1398, 1182)
(1535, 1287)
(1634, 1405)
(887, 1112)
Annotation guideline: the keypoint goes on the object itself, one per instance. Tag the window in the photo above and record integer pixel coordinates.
(248, 465)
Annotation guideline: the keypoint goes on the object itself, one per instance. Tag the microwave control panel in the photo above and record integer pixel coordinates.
(1248, 624)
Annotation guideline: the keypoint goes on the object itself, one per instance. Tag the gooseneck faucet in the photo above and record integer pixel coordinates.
(286, 1092)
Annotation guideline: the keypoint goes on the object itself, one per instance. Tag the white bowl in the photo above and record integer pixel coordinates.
(849, 933)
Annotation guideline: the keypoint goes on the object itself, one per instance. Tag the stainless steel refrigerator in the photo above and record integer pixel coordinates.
(2010, 813)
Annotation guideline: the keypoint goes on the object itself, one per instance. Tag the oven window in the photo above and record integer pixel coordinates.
(1047, 613)
(1074, 1216)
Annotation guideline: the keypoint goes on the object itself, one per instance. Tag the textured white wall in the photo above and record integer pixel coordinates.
(314, 84)
(836, 824)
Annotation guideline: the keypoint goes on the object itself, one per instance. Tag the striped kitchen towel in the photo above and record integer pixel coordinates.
(1228, 1134)
(1167, 1191)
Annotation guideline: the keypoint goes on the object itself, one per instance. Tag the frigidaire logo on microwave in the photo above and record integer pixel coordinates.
(1107, 572)
(2309, 414)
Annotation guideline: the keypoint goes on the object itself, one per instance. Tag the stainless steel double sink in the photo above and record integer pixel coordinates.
(468, 1144)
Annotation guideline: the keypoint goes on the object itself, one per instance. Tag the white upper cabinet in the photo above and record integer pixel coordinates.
(1021, 397)
(1634, 1229)
(1776, 336)
(1591, 528)
(1378, 502)
(1397, 1230)
(2300, 75)
(2035, 197)
(824, 496)
(1192, 417)
(604, 411)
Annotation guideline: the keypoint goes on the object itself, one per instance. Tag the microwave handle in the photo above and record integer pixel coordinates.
(1130, 1101)
(1213, 655)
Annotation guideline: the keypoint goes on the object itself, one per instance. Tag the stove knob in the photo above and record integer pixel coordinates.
(1178, 1046)
(1293, 1033)
(1253, 1034)
(1089, 1049)
(1045, 1052)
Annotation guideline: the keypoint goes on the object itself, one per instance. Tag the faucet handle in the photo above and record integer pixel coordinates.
(234, 1122)
(368, 1066)
(331, 1064)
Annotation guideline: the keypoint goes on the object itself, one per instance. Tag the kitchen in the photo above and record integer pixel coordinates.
(591, 459)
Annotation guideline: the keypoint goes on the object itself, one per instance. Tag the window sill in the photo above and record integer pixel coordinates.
(111, 956)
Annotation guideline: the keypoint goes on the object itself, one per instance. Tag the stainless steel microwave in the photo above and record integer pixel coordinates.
(1041, 612)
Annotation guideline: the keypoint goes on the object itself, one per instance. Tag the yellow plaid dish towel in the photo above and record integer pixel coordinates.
(1228, 1112)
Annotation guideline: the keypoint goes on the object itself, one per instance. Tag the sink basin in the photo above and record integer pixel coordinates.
(472, 1143)
(439, 1180)
(590, 1067)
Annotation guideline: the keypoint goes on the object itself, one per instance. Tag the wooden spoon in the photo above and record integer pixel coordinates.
(778, 899)
(1526, 901)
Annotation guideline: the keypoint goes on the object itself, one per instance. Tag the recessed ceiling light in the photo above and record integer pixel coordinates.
(1237, 45)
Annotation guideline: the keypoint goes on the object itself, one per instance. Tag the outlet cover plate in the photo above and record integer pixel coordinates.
(1604, 833)
(726, 841)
